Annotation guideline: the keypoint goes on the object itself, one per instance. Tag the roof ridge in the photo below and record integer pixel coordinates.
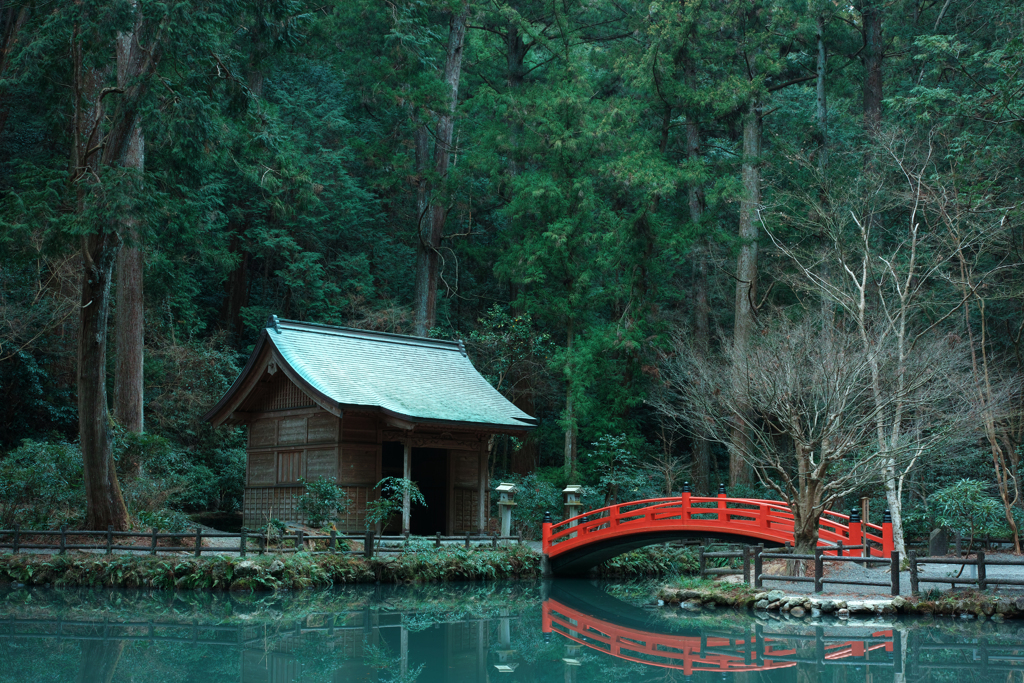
(390, 337)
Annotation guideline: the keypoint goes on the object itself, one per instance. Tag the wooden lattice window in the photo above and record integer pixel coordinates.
(289, 467)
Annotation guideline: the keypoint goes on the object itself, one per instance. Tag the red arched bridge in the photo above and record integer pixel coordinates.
(574, 545)
(723, 653)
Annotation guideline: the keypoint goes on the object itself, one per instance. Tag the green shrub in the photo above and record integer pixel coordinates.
(392, 493)
(322, 502)
(41, 486)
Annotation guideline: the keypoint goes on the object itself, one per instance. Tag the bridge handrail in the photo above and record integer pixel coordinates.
(770, 520)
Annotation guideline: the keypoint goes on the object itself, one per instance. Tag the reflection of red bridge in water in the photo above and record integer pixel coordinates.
(726, 653)
(581, 542)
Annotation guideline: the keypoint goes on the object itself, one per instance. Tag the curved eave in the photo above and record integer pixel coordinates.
(250, 375)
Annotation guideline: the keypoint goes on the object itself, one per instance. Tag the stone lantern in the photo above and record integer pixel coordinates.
(506, 501)
(573, 503)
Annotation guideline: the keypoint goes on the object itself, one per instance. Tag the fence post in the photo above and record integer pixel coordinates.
(199, 541)
(701, 562)
(17, 539)
(242, 538)
(262, 543)
(152, 540)
(110, 539)
(334, 540)
(819, 570)
(494, 541)
(746, 565)
(894, 571)
(982, 583)
(520, 538)
(368, 545)
(758, 565)
(63, 538)
(913, 572)
(467, 539)
(437, 540)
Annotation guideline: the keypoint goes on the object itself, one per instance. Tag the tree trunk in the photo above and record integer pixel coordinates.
(428, 257)
(871, 57)
(11, 21)
(104, 503)
(129, 319)
(570, 414)
(236, 287)
(822, 103)
(746, 281)
(700, 469)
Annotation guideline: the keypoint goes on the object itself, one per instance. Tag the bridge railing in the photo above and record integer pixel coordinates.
(724, 652)
(767, 520)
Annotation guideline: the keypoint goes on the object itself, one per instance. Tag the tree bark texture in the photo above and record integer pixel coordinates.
(821, 105)
(104, 503)
(871, 57)
(11, 21)
(428, 253)
(700, 468)
(746, 279)
(129, 317)
(570, 415)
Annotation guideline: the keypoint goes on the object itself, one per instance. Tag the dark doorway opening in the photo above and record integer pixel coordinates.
(430, 472)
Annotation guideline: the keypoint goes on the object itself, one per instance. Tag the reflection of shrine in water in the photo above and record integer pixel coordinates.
(578, 634)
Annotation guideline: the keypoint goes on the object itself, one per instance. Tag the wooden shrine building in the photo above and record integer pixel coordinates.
(357, 406)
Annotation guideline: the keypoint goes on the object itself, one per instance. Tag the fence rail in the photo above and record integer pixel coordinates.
(248, 543)
(982, 580)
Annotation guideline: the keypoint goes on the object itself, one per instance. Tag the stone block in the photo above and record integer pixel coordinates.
(938, 543)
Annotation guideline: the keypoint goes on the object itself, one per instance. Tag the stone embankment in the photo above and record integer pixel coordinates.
(962, 604)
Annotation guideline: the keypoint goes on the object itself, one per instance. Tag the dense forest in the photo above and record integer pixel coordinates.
(770, 244)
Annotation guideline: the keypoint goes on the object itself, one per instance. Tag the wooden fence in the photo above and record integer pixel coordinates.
(756, 555)
(248, 543)
(982, 580)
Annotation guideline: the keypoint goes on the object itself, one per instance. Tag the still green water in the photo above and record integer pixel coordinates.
(564, 631)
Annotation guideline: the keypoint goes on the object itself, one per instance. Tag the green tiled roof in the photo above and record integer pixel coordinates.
(412, 378)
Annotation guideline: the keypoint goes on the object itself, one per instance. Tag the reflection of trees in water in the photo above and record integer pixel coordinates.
(99, 659)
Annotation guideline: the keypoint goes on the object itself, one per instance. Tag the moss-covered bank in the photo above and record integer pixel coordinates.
(265, 573)
(302, 570)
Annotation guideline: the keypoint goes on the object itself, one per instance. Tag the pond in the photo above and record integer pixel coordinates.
(565, 631)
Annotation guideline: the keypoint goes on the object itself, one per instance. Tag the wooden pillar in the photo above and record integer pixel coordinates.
(407, 473)
(481, 490)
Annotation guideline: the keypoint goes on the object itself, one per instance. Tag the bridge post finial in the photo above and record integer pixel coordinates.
(721, 489)
(547, 518)
(686, 501)
(686, 487)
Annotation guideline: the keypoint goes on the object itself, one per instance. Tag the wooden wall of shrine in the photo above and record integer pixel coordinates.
(292, 439)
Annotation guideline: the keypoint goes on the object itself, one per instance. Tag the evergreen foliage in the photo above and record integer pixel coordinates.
(591, 210)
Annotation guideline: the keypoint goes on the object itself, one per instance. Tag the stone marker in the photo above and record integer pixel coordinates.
(938, 543)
